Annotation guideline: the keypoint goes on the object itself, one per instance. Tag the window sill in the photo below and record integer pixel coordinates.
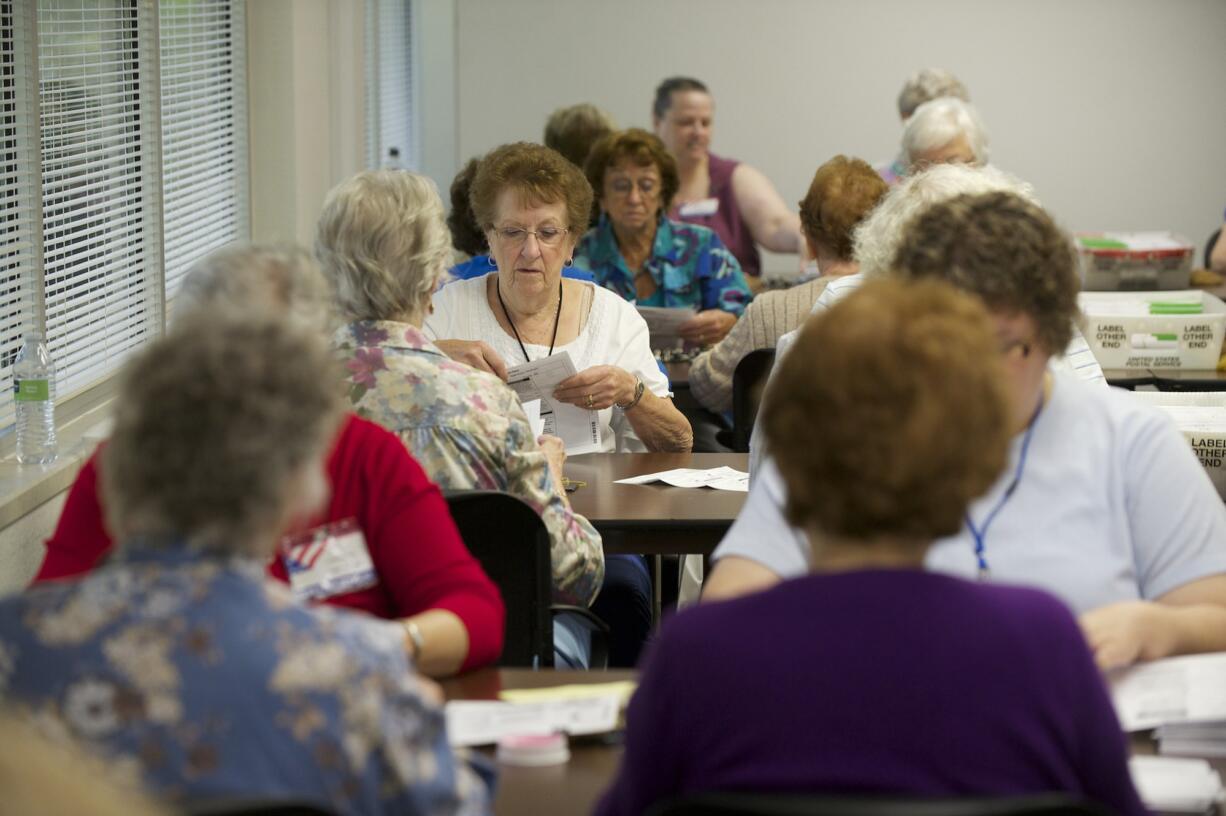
(82, 422)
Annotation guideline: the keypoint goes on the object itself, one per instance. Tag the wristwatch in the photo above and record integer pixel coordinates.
(638, 395)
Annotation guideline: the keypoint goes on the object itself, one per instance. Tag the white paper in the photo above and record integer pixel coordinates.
(1179, 689)
(578, 428)
(1180, 785)
(482, 722)
(698, 209)
(664, 324)
(533, 409)
(720, 478)
(1204, 419)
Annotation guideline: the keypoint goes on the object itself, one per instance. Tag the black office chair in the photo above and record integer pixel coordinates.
(748, 381)
(774, 804)
(1210, 244)
(512, 544)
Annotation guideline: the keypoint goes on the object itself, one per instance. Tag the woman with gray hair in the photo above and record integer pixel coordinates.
(384, 246)
(177, 659)
(923, 86)
(944, 131)
(384, 521)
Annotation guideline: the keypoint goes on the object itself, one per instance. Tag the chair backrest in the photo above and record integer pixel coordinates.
(774, 804)
(1210, 244)
(253, 806)
(748, 382)
(512, 544)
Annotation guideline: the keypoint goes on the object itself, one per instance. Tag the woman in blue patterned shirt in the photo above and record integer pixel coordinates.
(644, 256)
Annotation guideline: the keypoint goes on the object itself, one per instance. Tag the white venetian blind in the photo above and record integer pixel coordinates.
(101, 249)
(204, 130)
(391, 91)
(18, 175)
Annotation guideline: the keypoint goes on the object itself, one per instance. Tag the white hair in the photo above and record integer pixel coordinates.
(937, 123)
(282, 278)
(926, 85)
(383, 244)
(878, 236)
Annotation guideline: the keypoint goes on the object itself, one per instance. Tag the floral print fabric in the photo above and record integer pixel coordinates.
(468, 431)
(191, 674)
(691, 267)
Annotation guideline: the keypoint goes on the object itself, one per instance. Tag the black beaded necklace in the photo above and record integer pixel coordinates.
(557, 318)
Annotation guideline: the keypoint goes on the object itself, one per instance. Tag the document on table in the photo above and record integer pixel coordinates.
(664, 324)
(720, 478)
(578, 428)
(1174, 785)
(482, 722)
(1191, 688)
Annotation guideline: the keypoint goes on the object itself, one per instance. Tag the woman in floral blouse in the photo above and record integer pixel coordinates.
(648, 258)
(177, 662)
(383, 243)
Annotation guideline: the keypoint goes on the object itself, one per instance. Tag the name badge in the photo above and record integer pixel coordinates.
(329, 560)
(700, 208)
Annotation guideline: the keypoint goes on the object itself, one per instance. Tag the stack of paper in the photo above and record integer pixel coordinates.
(1176, 785)
(1189, 689)
(593, 708)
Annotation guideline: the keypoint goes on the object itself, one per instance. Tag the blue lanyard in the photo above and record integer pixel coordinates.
(979, 534)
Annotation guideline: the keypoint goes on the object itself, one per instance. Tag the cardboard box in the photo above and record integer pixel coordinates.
(1201, 417)
(1154, 329)
(1134, 261)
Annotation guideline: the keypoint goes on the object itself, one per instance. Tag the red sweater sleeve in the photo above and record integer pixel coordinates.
(416, 549)
(80, 539)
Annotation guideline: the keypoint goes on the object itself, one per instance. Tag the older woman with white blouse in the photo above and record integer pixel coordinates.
(534, 205)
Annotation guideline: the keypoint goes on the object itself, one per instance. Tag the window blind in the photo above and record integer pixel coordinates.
(100, 192)
(18, 190)
(391, 91)
(204, 130)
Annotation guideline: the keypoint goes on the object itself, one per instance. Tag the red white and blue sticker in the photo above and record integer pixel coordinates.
(328, 560)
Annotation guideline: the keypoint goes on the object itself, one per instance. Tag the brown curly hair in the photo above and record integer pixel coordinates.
(844, 190)
(539, 174)
(890, 414)
(1004, 249)
(643, 149)
(466, 234)
(573, 130)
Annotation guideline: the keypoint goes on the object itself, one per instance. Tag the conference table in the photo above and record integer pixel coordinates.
(574, 788)
(654, 519)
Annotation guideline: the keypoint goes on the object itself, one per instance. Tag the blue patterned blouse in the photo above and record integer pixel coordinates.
(689, 264)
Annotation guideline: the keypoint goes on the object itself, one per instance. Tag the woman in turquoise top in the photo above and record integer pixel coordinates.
(645, 257)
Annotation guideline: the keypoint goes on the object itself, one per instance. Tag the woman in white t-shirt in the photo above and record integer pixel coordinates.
(1103, 502)
(533, 206)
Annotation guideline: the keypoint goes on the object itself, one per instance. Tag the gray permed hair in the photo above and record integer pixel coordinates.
(280, 277)
(926, 85)
(878, 236)
(937, 123)
(383, 244)
(215, 424)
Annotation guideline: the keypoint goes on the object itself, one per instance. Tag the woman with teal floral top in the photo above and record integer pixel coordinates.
(645, 257)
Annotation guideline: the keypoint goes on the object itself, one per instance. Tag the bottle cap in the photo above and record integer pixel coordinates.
(534, 749)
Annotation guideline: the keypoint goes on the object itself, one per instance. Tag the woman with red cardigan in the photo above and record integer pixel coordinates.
(385, 545)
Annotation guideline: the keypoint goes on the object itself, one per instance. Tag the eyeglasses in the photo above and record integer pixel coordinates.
(517, 236)
(622, 187)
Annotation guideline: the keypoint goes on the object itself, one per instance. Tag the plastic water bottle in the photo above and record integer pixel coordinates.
(34, 396)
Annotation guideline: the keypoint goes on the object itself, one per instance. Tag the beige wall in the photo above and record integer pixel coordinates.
(1111, 108)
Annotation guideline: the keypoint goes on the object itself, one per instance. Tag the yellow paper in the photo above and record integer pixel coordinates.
(622, 688)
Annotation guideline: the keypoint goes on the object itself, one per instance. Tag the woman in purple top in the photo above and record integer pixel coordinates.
(732, 198)
(874, 676)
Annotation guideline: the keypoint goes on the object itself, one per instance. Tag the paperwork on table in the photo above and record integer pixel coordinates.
(1188, 689)
(664, 325)
(720, 478)
(1174, 785)
(578, 428)
(575, 710)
